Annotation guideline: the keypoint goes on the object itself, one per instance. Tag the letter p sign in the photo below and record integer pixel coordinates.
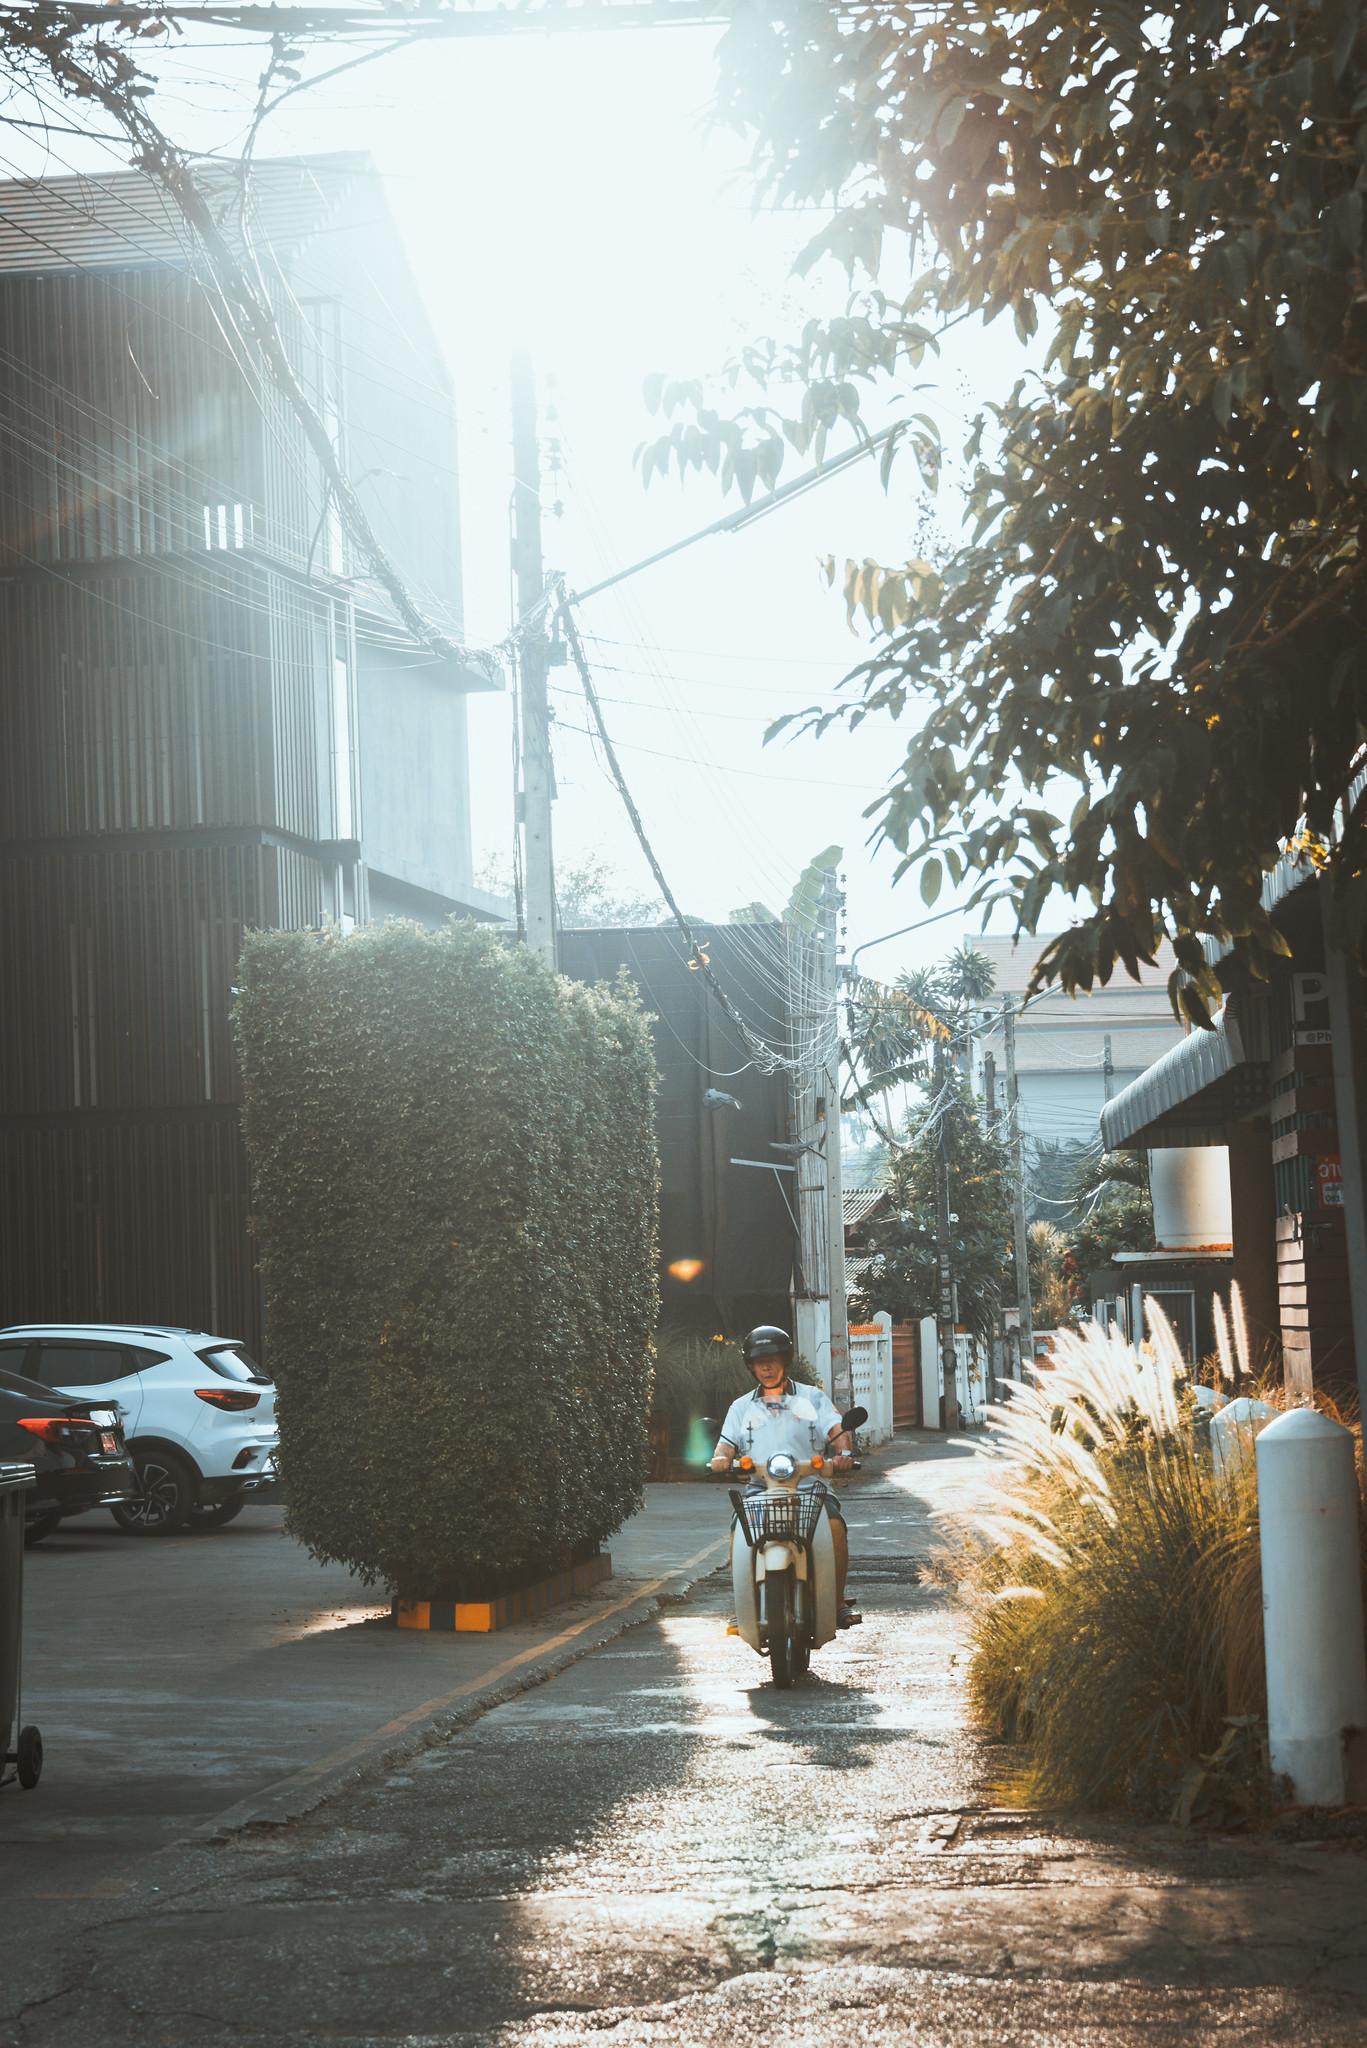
(1309, 992)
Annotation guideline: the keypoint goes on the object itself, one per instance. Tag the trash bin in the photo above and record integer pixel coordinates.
(24, 1750)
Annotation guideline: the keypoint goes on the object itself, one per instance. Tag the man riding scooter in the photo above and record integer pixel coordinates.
(781, 1416)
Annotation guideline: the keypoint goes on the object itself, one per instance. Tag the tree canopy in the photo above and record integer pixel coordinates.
(903, 1277)
(1160, 604)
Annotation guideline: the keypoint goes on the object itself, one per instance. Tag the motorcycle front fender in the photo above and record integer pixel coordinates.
(745, 1590)
(823, 1583)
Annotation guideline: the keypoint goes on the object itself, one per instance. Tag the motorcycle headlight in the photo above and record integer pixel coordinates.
(781, 1466)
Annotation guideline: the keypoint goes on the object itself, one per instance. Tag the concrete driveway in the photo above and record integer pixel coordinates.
(185, 1681)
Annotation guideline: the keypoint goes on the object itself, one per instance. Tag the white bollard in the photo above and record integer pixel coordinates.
(1234, 1430)
(1312, 1602)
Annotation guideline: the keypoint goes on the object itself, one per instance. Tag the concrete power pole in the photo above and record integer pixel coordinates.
(842, 1382)
(1107, 1068)
(535, 795)
(1001, 1347)
(1019, 1232)
(944, 1266)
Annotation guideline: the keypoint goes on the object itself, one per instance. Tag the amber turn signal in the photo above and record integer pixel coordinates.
(746, 1464)
(818, 1464)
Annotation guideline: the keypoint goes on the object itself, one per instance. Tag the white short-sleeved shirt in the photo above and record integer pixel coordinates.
(800, 1423)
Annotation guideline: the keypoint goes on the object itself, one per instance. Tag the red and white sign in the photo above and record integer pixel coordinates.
(1329, 1174)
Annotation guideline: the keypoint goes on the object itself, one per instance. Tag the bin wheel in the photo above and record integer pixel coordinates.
(29, 1757)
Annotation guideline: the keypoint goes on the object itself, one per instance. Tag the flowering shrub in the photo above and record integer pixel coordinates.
(1111, 1575)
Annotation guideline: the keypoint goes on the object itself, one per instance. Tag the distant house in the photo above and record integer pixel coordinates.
(862, 1206)
(1073, 1052)
(212, 717)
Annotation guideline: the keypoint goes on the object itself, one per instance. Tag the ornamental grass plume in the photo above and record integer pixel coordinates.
(1112, 1578)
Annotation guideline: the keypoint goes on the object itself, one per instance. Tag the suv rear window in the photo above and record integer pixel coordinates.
(231, 1362)
(83, 1365)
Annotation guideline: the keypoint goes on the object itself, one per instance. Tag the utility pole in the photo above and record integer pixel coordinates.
(1019, 1234)
(1107, 1068)
(535, 795)
(842, 1381)
(811, 1288)
(1000, 1346)
(944, 1268)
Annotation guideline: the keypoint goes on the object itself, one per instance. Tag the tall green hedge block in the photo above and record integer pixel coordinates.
(455, 1188)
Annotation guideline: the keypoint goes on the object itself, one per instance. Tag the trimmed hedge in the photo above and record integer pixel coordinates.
(455, 1190)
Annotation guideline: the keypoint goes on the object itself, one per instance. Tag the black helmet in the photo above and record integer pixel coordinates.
(768, 1341)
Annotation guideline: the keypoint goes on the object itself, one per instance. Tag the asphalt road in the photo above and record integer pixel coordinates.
(656, 1847)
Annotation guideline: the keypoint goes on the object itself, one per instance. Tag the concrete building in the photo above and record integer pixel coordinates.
(1063, 1042)
(212, 716)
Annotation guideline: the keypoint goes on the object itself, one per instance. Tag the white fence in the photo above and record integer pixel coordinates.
(971, 1376)
(871, 1374)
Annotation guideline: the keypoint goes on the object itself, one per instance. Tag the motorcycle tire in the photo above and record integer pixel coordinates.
(784, 1648)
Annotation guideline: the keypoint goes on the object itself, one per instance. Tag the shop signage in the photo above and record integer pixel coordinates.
(1329, 1175)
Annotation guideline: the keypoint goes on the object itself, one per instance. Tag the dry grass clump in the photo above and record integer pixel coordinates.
(1113, 1579)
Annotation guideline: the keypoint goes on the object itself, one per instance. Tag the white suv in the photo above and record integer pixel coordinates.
(197, 1411)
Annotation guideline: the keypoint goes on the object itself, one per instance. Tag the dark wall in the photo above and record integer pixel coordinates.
(734, 1219)
(174, 707)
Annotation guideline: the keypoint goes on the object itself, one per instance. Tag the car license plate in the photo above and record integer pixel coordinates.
(108, 1441)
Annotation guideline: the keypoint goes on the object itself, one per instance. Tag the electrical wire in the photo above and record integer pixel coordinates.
(766, 1057)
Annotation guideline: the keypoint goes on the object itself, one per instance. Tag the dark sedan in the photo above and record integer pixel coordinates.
(76, 1449)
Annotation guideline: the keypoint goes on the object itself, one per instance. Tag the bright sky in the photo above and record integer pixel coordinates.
(567, 195)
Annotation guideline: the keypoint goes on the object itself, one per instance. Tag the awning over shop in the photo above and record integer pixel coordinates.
(1190, 1095)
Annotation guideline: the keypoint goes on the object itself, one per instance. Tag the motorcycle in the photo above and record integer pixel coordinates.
(783, 1561)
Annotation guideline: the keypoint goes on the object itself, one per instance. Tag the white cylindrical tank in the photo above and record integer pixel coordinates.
(1312, 1601)
(1191, 1206)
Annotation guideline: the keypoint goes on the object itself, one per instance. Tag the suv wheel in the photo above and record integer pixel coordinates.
(166, 1491)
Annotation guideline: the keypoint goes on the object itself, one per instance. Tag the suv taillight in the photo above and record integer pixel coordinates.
(57, 1429)
(233, 1398)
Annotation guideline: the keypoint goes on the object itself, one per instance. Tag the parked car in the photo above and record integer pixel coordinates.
(76, 1448)
(198, 1412)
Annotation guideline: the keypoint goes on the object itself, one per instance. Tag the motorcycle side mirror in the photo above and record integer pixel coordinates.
(854, 1418)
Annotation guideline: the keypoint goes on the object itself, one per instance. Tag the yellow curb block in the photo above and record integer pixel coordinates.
(481, 1617)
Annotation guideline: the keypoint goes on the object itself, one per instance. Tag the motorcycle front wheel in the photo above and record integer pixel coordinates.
(785, 1652)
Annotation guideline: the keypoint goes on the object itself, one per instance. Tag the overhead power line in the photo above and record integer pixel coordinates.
(764, 1055)
(334, 24)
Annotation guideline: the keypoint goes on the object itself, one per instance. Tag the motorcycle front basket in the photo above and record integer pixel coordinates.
(782, 1517)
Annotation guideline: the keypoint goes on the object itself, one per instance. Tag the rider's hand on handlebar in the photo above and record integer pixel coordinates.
(843, 1461)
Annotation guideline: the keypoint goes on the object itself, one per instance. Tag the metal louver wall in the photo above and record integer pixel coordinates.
(168, 777)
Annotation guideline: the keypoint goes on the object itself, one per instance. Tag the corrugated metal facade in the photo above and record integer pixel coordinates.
(179, 693)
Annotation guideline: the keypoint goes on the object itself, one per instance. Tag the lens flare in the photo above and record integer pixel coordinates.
(684, 1269)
